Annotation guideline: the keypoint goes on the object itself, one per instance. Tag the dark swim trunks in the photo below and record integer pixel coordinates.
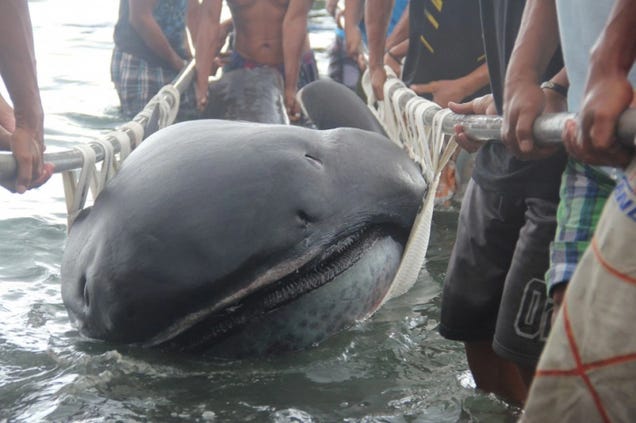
(494, 287)
(342, 68)
(308, 69)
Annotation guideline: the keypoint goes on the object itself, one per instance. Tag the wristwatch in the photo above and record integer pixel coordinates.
(561, 89)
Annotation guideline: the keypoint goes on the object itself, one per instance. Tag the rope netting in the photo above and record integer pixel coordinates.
(426, 132)
(405, 118)
(114, 147)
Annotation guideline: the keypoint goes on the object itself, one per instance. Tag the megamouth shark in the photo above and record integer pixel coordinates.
(241, 238)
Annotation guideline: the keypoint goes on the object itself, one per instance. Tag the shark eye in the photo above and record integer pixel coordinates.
(313, 160)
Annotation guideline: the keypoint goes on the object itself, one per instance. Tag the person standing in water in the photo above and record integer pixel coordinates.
(22, 131)
(150, 49)
(266, 33)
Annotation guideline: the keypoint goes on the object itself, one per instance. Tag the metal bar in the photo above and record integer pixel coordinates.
(547, 129)
(72, 159)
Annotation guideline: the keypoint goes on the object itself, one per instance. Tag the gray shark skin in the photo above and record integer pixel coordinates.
(253, 95)
(241, 238)
(330, 105)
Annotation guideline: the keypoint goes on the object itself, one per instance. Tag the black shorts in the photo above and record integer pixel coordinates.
(494, 287)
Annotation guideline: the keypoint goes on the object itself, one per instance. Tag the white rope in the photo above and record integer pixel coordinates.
(135, 134)
(125, 147)
(128, 136)
(76, 189)
(167, 112)
(90, 176)
(107, 168)
(377, 107)
(402, 114)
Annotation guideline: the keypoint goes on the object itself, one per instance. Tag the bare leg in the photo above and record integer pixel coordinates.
(495, 374)
(527, 374)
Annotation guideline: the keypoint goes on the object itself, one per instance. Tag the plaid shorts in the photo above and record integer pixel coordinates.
(584, 190)
(137, 81)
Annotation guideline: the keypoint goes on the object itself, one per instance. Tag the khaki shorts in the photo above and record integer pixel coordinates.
(587, 371)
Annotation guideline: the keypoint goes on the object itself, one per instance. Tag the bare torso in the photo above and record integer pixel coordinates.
(258, 28)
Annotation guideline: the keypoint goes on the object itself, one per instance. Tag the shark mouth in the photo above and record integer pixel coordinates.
(217, 326)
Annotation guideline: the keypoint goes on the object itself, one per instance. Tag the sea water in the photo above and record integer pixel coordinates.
(393, 367)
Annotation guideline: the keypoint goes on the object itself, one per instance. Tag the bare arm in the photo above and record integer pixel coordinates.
(484, 105)
(332, 7)
(192, 20)
(353, 12)
(206, 45)
(377, 16)
(18, 69)
(524, 100)
(400, 31)
(144, 23)
(608, 92)
(394, 55)
(455, 90)
(294, 35)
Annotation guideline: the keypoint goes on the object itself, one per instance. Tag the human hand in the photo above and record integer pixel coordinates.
(28, 151)
(291, 105)
(362, 62)
(201, 94)
(523, 102)
(554, 102)
(178, 63)
(443, 91)
(484, 105)
(591, 138)
(202, 84)
(222, 59)
(378, 78)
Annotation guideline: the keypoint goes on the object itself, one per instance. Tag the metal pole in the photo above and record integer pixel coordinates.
(547, 129)
(72, 159)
